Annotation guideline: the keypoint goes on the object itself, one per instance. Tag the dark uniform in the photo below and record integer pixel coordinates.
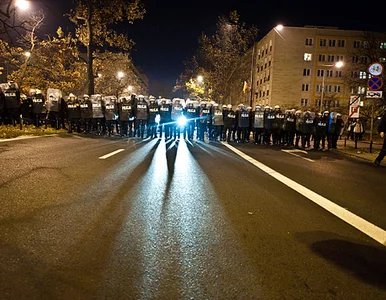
(218, 123)
(299, 128)
(335, 129)
(229, 124)
(243, 124)
(124, 112)
(98, 113)
(53, 105)
(165, 112)
(141, 113)
(12, 103)
(269, 119)
(308, 129)
(321, 129)
(289, 128)
(191, 116)
(111, 113)
(177, 113)
(153, 113)
(258, 124)
(26, 109)
(38, 108)
(86, 114)
(204, 114)
(73, 114)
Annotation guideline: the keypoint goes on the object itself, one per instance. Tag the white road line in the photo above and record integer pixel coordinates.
(25, 137)
(294, 154)
(376, 233)
(111, 154)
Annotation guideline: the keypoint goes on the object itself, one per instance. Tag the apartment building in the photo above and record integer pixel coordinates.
(302, 67)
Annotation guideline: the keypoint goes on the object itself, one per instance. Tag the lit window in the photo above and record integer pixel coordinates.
(362, 75)
(307, 56)
(383, 45)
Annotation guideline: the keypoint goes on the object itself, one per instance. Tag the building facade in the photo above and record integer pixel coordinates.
(301, 67)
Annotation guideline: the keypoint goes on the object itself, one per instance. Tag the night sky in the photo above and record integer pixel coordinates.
(168, 34)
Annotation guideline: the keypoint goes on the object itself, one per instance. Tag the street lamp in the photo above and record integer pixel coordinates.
(338, 65)
(120, 75)
(200, 79)
(27, 54)
(130, 88)
(22, 4)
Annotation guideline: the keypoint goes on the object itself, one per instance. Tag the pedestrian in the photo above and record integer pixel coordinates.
(357, 129)
(382, 131)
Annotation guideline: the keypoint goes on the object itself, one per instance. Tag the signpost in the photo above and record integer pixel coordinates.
(354, 107)
(375, 83)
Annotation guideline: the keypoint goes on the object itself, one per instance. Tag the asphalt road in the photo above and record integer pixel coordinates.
(177, 220)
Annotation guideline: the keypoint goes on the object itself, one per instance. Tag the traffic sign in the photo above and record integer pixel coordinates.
(376, 69)
(375, 83)
(374, 94)
(354, 107)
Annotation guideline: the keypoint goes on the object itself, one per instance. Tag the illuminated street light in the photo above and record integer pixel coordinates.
(22, 4)
(120, 75)
(279, 27)
(130, 88)
(99, 75)
(200, 79)
(27, 54)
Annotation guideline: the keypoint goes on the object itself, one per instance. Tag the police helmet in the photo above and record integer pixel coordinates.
(298, 112)
(229, 106)
(338, 115)
(277, 107)
(38, 91)
(86, 96)
(141, 97)
(249, 108)
(326, 112)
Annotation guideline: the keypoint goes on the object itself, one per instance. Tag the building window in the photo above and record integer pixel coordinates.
(309, 41)
(338, 73)
(267, 92)
(317, 102)
(331, 58)
(355, 59)
(328, 88)
(318, 88)
(362, 75)
(354, 74)
(305, 87)
(306, 72)
(382, 59)
(320, 73)
(336, 103)
(304, 102)
(269, 63)
(357, 44)
(329, 73)
(382, 45)
(337, 89)
(341, 43)
(307, 56)
(366, 44)
(322, 57)
(339, 58)
(323, 42)
(364, 59)
(331, 43)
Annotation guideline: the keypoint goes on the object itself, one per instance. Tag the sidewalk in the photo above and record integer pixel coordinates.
(363, 149)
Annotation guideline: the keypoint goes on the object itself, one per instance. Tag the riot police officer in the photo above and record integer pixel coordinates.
(165, 118)
(308, 129)
(218, 122)
(321, 129)
(204, 114)
(335, 129)
(98, 113)
(289, 128)
(124, 111)
(73, 114)
(269, 119)
(53, 105)
(38, 107)
(141, 113)
(153, 113)
(191, 115)
(277, 133)
(12, 103)
(298, 128)
(177, 113)
(111, 112)
(26, 109)
(229, 123)
(86, 113)
(243, 123)
(258, 124)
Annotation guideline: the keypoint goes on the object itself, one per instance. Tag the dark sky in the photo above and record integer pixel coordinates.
(168, 34)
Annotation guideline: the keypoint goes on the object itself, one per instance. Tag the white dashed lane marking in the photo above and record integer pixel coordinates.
(376, 233)
(293, 152)
(111, 154)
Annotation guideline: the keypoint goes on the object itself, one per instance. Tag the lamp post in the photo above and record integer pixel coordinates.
(338, 65)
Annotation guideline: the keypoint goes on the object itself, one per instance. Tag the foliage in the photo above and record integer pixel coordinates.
(54, 63)
(219, 54)
(10, 131)
(108, 65)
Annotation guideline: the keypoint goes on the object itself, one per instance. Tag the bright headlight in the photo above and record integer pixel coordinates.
(157, 118)
(181, 121)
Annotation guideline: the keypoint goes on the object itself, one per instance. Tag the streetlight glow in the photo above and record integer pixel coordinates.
(200, 78)
(22, 4)
(130, 88)
(120, 75)
(27, 54)
(339, 64)
(279, 27)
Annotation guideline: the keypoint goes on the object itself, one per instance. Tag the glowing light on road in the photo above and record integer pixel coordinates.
(182, 121)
